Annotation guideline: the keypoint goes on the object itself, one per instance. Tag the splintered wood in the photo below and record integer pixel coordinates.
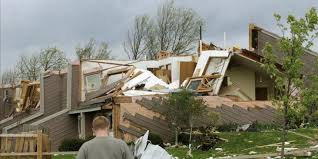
(24, 146)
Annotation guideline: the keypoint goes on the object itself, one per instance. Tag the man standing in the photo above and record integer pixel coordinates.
(104, 146)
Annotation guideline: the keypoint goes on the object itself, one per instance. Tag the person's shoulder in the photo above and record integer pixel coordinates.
(87, 143)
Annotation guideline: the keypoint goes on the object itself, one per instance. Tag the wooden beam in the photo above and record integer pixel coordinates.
(122, 99)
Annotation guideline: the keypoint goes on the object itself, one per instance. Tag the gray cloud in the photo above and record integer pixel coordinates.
(28, 26)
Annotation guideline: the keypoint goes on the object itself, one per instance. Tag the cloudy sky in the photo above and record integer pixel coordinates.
(29, 25)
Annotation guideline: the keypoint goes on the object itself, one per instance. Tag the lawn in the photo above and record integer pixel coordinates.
(245, 142)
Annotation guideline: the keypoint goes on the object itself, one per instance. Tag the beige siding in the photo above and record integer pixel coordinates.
(244, 78)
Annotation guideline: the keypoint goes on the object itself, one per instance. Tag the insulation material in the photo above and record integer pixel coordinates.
(145, 150)
(145, 77)
(174, 85)
(140, 93)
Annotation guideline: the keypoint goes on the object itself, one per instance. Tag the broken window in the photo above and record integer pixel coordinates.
(194, 84)
(114, 78)
(93, 82)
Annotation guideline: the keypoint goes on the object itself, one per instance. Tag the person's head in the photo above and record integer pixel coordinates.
(101, 126)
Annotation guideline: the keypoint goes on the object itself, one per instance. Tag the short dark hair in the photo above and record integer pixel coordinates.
(100, 122)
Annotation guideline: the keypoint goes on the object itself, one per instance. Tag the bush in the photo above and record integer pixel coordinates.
(71, 144)
(155, 139)
(227, 127)
(202, 140)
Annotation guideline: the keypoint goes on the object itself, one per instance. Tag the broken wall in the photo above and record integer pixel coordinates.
(7, 105)
(259, 37)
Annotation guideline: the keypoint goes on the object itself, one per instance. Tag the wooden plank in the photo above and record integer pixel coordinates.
(32, 145)
(18, 135)
(39, 144)
(26, 145)
(122, 99)
(147, 124)
(9, 144)
(132, 131)
(96, 100)
(17, 142)
(154, 122)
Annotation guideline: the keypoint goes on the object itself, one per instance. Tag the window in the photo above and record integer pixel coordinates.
(93, 82)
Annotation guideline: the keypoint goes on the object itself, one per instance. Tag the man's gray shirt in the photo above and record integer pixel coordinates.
(104, 148)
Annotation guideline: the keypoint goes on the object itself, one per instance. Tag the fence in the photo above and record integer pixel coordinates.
(25, 145)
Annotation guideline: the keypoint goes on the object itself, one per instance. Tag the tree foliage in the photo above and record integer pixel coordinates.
(298, 35)
(309, 98)
(9, 77)
(184, 110)
(29, 67)
(173, 29)
(92, 51)
(52, 58)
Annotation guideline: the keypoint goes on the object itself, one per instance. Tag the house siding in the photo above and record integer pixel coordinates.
(308, 58)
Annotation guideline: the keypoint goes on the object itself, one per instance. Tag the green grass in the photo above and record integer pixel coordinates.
(245, 142)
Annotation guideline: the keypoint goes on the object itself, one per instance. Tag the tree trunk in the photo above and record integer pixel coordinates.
(190, 136)
(176, 136)
(284, 135)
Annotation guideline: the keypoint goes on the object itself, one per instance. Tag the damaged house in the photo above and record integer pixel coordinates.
(64, 104)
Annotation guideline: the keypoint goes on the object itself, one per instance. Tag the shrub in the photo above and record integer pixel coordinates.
(202, 140)
(227, 127)
(71, 144)
(155, 139)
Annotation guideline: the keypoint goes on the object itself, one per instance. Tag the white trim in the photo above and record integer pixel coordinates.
(42, 93)
(52, 116)
(6, 119)
(82, 117)
(24, 120)
(69, 86)
(85, 110)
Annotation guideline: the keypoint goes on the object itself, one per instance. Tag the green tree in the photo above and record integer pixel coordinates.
(93, 52)
(298, 35)
(309, 97)
(184, 109)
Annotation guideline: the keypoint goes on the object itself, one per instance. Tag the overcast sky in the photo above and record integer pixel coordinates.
(29, 25)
